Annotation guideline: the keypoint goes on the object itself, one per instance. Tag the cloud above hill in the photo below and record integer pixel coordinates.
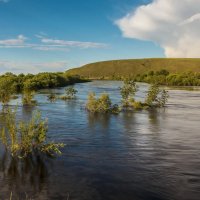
(173, 24)
(48, 44)
(31, 67)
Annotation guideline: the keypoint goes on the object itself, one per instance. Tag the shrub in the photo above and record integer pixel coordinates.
(24, 139)
(7, 89)
(152, 95)
(52, 97)
(156, 97)
(92, 103)
(128, 91)
(162, 100)
(102, 104)
(27, 98)
(137, 105)
(28, 93)
(70, 94)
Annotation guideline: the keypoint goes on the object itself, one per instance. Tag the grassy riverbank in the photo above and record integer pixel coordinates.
(180, 71)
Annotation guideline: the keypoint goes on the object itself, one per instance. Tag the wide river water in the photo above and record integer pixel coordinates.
(141, 155)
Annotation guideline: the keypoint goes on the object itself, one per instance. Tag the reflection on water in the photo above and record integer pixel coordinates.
(98, 120)
(142, 155)
(25, 176)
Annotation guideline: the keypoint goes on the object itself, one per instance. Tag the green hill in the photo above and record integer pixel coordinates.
(119, 68)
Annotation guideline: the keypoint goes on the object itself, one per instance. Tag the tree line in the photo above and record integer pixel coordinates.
(11, 84)
(164, 77)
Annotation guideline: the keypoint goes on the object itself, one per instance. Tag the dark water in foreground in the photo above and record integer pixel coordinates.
(145, 155)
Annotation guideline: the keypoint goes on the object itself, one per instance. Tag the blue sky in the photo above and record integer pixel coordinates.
(54, 35)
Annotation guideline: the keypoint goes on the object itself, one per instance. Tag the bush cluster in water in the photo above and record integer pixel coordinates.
(155, 98)
(102, 104)
(23, 139)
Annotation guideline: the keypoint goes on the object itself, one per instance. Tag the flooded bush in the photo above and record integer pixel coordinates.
(156, 97)
(52, 97)
(27, 98)
(128, 91)
(70, 93)
(137, 105)
(24, 139)
(102, 104)
(28, 94)
(7, 90)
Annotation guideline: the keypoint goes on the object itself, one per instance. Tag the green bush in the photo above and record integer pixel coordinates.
(70, 93)
(27, 98)
(156, 97)
(137, 105)
(102, 104)
(52, 97)
(24, 139)
(128, 91)
(7, 90)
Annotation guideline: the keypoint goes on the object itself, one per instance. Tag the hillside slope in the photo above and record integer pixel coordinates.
(118, 68)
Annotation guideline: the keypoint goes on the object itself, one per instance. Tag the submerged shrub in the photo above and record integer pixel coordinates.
(28, 94)
(156, 97)
(128, 91)
(70, 93)
(7, 90)
(102, 104)
(137, 104)
(27, 98)
(162, 100)
(52, 97)
(24, 139)
(152, 95)
(92, 103)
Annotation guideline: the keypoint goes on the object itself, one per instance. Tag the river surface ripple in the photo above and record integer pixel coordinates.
(141, 155)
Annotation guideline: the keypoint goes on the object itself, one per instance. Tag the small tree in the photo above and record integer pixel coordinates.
(156, 97)
(152, 95)
(7, 89)
(70, 92)
(27, 98)
(162, 100)
(102, 104)
(128, 91)
(28, 94)
(51, 97)
(23, 139)
(91, 103)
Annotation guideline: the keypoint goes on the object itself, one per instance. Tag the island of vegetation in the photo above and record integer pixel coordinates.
(155, 98)
(162, 71)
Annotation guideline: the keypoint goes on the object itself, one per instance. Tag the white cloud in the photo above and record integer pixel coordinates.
(173, 24)
(47, 44)
(33, 67)
(50, 48)
(20, 40)
(67, 43)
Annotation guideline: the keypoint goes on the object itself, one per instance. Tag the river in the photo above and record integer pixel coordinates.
(141, 155)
